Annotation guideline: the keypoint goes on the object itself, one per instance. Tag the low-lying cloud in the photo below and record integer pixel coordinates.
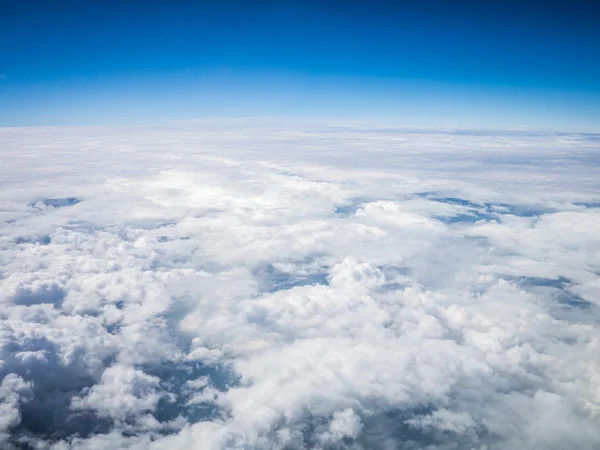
(292, 286)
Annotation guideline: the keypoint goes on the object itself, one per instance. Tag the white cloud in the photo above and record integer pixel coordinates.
(13, 391)
(223, 287)
(121, 393)
(345, 424)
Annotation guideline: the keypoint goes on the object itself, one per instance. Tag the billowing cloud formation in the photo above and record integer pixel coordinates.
(289, 286)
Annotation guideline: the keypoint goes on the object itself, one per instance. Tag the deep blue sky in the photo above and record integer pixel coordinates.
(465, 63)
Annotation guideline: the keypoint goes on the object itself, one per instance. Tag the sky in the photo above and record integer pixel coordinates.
(430, 63)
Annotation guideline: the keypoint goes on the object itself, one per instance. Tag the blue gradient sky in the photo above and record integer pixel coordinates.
(462, 63)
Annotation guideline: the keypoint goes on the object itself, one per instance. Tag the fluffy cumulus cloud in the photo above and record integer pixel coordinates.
(260, 285)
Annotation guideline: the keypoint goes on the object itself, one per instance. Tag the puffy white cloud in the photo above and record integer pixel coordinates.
(350, 274)
(345, 424)
(256, 287)
(121, 393)
(13, 391)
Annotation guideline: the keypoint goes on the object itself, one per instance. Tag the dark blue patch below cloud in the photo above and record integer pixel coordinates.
(453, 201)
(520, 210)
(588, 204)
(273, 279)
(487, 211)
(388, 428)
(48, 415)
(350, 207)
(41, 240)
(48, 293)
(174, 377)
(561, 286)
(466, 218)
(169, 239)
(58, 202)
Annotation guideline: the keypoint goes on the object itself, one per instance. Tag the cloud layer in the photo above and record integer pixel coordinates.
(260, 285)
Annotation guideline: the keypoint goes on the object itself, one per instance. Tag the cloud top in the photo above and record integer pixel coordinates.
(256, 286)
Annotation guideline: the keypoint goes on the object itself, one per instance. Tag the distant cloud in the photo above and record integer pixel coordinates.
(277, 286)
